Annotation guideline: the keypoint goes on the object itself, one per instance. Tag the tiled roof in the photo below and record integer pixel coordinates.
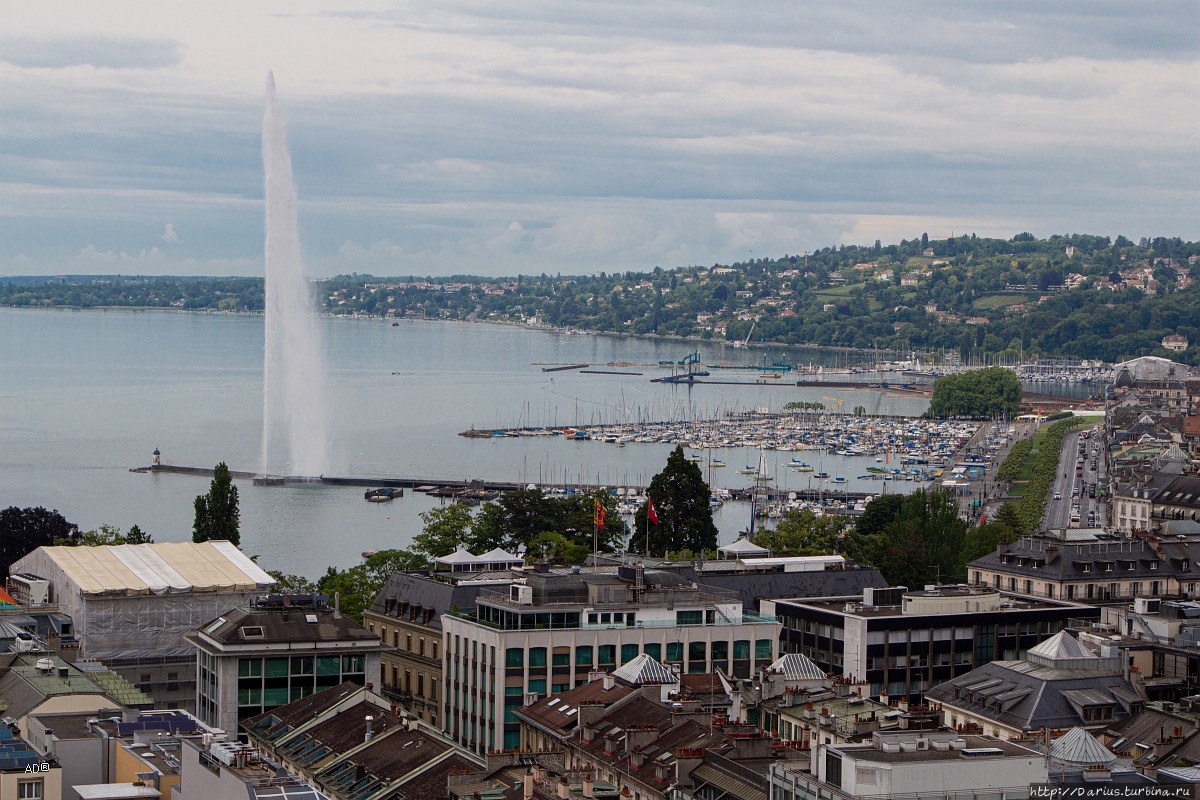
(559, 713)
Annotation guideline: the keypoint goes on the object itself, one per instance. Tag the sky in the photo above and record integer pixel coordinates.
(487, 137)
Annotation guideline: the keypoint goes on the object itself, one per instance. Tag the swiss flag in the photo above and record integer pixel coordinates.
(651, 514)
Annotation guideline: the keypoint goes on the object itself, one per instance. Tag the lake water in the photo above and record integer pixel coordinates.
(86, 395)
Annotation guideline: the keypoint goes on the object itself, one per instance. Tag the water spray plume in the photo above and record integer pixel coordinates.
(295, 440)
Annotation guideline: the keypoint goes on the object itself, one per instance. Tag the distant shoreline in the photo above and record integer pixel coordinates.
(562, 331)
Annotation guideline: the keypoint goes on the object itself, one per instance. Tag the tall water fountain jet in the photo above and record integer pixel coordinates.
(295, 440)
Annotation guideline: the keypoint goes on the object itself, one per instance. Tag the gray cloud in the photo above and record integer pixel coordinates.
(618, 135)
(102, 52)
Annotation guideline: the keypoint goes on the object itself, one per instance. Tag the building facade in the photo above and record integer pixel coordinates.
(132, 605)
(903, 643)
(280, 649)
(546, 634)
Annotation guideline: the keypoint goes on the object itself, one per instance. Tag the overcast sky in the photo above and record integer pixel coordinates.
(434, 137)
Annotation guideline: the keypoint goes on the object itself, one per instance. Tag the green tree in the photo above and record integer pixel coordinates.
(23, 530)
(353, 587)
(1005, 526)
(292, 584)
(446, 529)
(217, 515)
(518, 518)
(380, 565)
(111, 535)
(681, 502)
(977, 394)
(556, 549)
(802, 532)
(137, 536)
(878, 514)
(357, 587)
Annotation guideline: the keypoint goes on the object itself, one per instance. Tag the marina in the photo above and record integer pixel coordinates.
(907, 440)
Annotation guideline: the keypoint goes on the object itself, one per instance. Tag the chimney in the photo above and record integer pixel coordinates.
(370, 728)
(589, 787)
(564, 788)
(609, 681)
(527, 785)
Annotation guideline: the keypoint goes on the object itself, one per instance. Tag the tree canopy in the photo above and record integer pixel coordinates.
(802, 532)
(681, 503)
(922, 543)
(217, 514)
(980, 393)
(111, 535)
(23, 530)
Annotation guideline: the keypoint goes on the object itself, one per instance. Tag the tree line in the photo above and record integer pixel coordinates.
(979, 297)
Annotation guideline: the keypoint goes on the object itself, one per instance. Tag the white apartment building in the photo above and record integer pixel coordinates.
(544, 635)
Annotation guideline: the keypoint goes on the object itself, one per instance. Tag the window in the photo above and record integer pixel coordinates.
(720, 652)
(583, 656)
(762, 648)
(29, 790)
(249, 667)
(562, 657)
(608, 655)
(538, 686)
(654, 650)
(689, 617)
(514, 657)
(741, 649)
(537, 656)
(674, 652)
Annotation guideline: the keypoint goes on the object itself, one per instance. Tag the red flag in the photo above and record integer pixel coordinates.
(599, 513)
(651, 514)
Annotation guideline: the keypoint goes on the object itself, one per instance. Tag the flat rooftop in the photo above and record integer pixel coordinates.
(1009, 604)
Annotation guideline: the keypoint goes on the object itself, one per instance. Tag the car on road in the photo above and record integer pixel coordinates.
(1058, 495)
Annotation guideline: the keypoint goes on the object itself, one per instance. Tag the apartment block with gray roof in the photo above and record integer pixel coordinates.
(1091, 572)
(277, 650)
(1061, 684)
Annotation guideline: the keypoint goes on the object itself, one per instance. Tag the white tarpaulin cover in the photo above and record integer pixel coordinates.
(138, 601)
